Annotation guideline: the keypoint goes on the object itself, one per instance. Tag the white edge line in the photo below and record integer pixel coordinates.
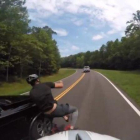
(133, 107)
(55, 81)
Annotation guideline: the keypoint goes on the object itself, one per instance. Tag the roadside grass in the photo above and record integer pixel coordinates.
(22, 86)
(128, 81)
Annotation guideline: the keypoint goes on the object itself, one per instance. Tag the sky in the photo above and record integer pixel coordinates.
(82, 25)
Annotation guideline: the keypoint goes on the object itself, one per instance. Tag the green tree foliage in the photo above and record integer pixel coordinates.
(24, 50)
(134, 24)
(14, 22)
(119, 55)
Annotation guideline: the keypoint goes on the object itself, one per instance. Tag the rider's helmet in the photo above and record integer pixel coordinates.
(31, 79)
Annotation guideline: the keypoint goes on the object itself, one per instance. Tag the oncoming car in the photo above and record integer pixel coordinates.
(86, 69)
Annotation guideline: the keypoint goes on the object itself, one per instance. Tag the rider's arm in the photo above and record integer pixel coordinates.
(59, 84)
(55, 85)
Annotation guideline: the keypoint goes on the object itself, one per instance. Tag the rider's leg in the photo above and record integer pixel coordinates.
(64, 110)
(74, 116)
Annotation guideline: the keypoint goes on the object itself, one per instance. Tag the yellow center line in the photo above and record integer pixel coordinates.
(69, 88)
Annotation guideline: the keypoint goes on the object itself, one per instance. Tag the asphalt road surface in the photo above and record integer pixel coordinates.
(101, 108)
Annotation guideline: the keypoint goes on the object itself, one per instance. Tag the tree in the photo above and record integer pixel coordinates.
(44, 35)
(14, 19)
(25, 50)
(134, 24)
(80, 62)
(87, 58)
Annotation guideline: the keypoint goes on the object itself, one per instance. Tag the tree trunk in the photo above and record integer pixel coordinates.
(21, 68)
(7, 68)
(7, 72)
(21, 71)
(39, 68)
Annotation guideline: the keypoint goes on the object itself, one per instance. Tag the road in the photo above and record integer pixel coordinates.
(101, 108)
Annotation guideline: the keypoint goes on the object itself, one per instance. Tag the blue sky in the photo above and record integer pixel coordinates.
(82, 25)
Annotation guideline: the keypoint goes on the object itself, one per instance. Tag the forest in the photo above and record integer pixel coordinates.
(24, 49)
(123, 54)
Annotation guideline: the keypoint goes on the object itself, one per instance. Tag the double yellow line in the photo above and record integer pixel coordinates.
(68, 89)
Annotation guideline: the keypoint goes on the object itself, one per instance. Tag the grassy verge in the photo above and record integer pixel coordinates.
(21, 87)
(129, 81)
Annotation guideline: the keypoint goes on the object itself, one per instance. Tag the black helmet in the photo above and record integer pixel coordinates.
(32, 78)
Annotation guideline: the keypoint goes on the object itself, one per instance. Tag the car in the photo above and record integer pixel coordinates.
(78, 135)
(86, 69)
(20, 119)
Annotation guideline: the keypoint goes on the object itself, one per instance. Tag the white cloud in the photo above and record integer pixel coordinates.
(64, 50)
(111, 32)
(77, 22)
(113, 12)
(75, 48)
(97, 37)
(71, 8)
(61, 32)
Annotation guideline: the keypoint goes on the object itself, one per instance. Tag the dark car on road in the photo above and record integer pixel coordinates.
(20, 119)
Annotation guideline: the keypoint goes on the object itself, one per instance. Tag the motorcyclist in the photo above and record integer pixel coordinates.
(41, 95)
